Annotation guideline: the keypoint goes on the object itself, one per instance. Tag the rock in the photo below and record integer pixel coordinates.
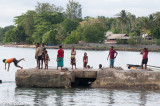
(0, 81)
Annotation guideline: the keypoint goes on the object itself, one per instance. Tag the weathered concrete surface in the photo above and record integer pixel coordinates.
(43, 78)
(133, 79)
(106, 78)
(85, 73)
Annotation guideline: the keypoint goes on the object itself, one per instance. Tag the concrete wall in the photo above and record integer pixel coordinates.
(43, 78)
(108, 78)
(127, 79)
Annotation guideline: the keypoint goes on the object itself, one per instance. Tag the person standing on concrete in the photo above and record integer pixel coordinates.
(73, 58)
(46, 59)
(113, 54)
(85, 60)
(60, 56)
(38, 55)
(43, 55)
(144, 58)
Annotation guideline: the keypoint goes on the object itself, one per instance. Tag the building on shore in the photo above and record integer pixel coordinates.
(146, 36)
(112, 38)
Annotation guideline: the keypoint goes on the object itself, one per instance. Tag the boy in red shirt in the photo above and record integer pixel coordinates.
(144, 58)
(113, 55)
(60, 56)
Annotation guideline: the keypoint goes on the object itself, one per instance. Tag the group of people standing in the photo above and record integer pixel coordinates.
(113, 54)
(41, 56)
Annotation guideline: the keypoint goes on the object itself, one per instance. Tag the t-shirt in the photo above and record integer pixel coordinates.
(39, 50)
(9, 60)
(112, 52)
(60, 53)
(145, 54)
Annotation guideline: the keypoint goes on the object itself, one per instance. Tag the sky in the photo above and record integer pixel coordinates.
(108, 8)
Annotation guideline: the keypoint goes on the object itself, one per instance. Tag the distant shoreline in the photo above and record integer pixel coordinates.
(118, 47)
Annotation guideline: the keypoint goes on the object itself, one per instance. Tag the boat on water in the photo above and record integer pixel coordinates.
(132, 66)
(149, 67)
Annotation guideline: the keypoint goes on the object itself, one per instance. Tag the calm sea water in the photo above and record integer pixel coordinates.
(11, 95)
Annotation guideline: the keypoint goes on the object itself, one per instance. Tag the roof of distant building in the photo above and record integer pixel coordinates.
(118, 36)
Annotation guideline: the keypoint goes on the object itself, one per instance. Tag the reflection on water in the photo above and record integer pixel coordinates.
(85, 96)
(9, 94)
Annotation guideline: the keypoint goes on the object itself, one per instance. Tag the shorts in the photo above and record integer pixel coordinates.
(85, 64)
(112, 62)
(145, 61)
(43, 56)
(15, 62)
(73, 61)
(39, 57)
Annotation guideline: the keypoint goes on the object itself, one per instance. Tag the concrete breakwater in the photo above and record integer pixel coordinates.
(53, 78)
(107, 78)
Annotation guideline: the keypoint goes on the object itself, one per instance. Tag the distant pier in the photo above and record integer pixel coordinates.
(106, 78)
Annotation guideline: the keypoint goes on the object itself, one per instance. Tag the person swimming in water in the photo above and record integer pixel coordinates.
(14, 60)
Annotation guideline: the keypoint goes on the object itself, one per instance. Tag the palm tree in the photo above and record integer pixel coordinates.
(123, 17)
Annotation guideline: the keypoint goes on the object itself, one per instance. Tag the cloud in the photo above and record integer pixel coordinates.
(11, 8)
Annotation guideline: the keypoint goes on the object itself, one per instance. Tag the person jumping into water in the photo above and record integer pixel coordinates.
(12, 60)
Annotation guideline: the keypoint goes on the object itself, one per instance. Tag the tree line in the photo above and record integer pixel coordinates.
(52, 24)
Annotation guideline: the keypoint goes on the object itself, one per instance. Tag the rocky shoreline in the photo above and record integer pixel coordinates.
(153, 48)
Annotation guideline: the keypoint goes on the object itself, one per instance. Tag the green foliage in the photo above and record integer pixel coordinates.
(49, 37)
(119, 41)
(28, 22)
(156, 32)
(47, 23)
(94, 34)
(74, 10)
(70, 25)
(9, 35)
(46, 7)
(4, 30)
(158, 42)
(131, 41)
(73, 38)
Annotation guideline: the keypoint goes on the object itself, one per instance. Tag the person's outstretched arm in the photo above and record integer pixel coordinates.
(5, 66)
(8, 66)
(108, 56)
